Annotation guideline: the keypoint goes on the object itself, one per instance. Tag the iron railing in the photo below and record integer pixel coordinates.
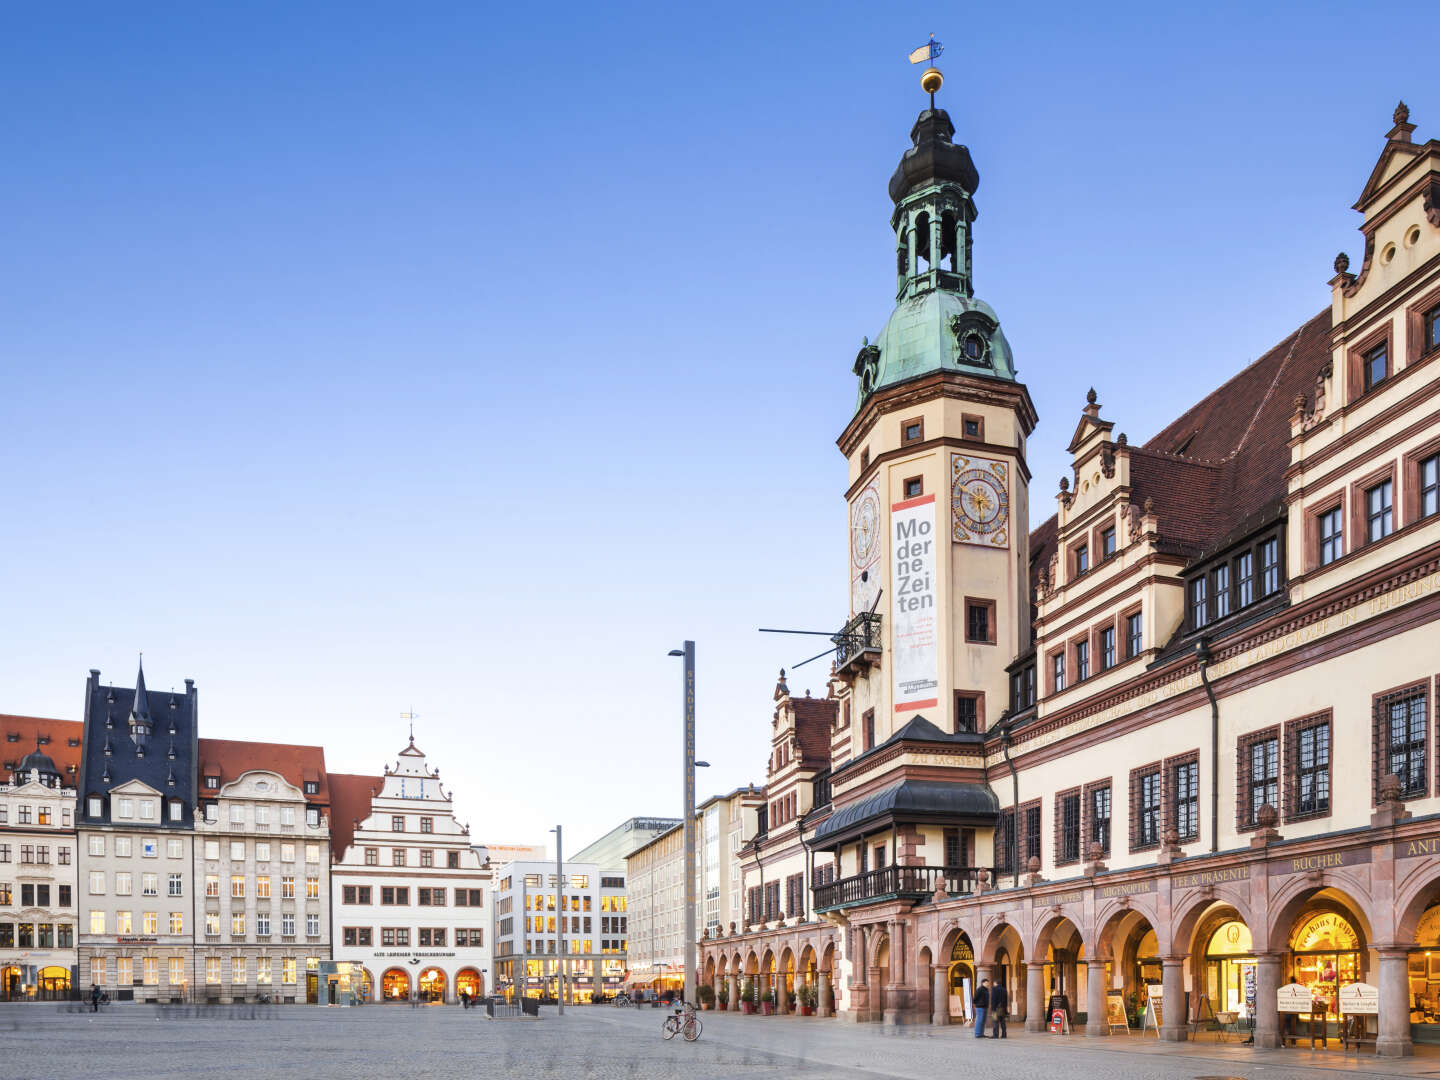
(896, 881)
(860, 634)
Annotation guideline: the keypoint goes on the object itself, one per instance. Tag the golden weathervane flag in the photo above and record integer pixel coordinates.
(927, 53)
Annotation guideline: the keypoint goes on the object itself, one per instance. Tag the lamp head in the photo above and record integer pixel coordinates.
(702, 764)
(676, 652)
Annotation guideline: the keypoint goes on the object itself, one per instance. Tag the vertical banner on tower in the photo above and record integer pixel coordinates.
(913, 604)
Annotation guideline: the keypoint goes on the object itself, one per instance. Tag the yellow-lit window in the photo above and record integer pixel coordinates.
(262, 971)
(177, 922)
(152, 971)
(97, 922)
(287, 970)
(237, 885)
(177, 970)
(212, 970)
(262, 887)
(312, 888)
(237, 969)
(150, 922)
(237, 924)
(124, 971)
(123, 923)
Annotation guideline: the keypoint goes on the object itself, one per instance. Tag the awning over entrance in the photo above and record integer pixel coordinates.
(909, 801)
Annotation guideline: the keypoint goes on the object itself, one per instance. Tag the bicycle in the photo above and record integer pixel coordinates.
(621, 1000)
(683, 1022)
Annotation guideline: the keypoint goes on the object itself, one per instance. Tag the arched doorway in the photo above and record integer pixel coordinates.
(1129, 947)
(395, 985)
(880, 963)
(1227, 953)
(808, 991)
(1327, 941)
(960, 977)
(786, 994)
(1060, 950)
(54, 984)
(432, 985)
(367, 985)
(470, 983)
(11, 988)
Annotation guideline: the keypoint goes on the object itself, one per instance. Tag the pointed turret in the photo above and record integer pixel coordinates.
(140, 708)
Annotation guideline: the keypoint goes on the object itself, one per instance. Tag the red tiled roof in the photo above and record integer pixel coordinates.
(350, 796)
(1223, 460)
(814, 721)
(229, 758)
(25, 729)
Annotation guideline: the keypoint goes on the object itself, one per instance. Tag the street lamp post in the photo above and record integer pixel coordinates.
(689, 764)
(559, 925)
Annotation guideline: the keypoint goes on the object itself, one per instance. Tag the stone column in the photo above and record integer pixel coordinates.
(939, 995)
(1095, 1025)
(1393, 983)
(1172, 999)
(914, 249)
(824, 1006)
(1035, 997)
(1267, 1015)
(782, 994)
(733, 1002)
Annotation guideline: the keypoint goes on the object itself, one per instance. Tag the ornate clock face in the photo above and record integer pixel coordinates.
(980, 501)
(865, 525)
(865, 528)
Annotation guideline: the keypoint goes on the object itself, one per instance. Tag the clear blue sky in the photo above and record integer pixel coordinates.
(471, 356)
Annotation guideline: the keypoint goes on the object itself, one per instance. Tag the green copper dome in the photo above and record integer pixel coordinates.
(937, 324)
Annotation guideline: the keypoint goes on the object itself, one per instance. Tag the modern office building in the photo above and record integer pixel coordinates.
(261, 877)
(135, 821)
(610, 851)
(591, 912)
(1177, 742)
(408, 890)
(37, 857)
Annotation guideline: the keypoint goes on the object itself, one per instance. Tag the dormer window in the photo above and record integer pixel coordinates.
(1199, 608)
(972, 348)
(1376, 365)
(312, 787)
(212, 782)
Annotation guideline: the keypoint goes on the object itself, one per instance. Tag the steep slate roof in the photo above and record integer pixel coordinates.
(60, 734)
(156, 768)
(350, 797)
(229, 758)
(1223, 460)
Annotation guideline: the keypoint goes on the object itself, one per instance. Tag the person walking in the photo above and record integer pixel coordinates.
(94, 997)
(982, 1006)
(999, 1010)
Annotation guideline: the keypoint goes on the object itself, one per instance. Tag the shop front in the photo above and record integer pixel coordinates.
(1325, 956)
(469, 984)
(432, 983)
(1230, 970)
(1423, 970)
(395, 985)
(961, 978)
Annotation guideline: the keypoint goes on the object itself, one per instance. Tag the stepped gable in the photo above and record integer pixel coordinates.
(19, 735)
(1223, 460)
(350, 796)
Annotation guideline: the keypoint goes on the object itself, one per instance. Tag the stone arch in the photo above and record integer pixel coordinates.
(1415, 892)
(1333, 891)
(1194, 906)
(752, 963)
(1062, 926)
(993, 932)
(785, 976)
(709, 975)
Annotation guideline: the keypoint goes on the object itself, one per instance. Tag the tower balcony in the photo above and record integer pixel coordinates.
(857, 645)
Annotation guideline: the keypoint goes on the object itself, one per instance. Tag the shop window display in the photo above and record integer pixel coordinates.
(1325, 955)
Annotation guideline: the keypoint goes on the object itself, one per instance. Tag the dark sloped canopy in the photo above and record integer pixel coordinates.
(910, 801)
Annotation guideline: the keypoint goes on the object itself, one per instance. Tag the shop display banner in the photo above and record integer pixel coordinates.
(913, 604)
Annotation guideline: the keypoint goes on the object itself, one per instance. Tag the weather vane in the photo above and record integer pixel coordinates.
(930, 79)
(412, 716)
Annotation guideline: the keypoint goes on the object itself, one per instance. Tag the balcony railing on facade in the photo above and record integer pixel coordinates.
(897, 883)
(857, 645)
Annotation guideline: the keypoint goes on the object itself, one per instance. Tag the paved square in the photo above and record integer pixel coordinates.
(41, 1042)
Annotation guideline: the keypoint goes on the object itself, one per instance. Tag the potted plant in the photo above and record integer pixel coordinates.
(807, 996)
(747, 997)
(724, 995)
(767, 1004)
(790, 1001)
(707, 996)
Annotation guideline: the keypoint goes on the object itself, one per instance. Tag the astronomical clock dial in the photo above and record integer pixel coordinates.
(980, 501)
(865, 528)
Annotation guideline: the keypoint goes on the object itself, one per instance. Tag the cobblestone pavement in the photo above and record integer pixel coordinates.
(42, 1042)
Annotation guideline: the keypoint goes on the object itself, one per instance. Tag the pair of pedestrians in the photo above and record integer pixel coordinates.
(992, 1003)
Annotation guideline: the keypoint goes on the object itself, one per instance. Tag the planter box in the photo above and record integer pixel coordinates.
(746, 1008)
(767, 1008)
(806, 1010)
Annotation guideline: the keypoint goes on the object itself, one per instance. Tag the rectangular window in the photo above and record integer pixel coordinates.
(237, 885)
(1067, 827)
(1332, 536)
(1308, 763)
(212, 924)
(237, 924)
(1107, 542)
(1082, 660)
(1379, 511)
(1258, 759)
(1199, 603)
(97, 844)
(262, 886)
(212, 970)
(287, 924)
(64, 898)
(1082, 559)
(914, 487)
(427, 825)
(977, 622)
(1244, 579)
(397, 823)
(287, 970)
(122, 846)
(262, 924)
(397, 856)
(287, 852)
(1185, 815)
(1430, 338)
(1134, 630)
(1099, 808)
(1270, 567)
(372, 856)
(427, 857)
(967, 712)
(1376, 365)
(1057, 671)
(912, 431)
(1430, 486)
(176, 885)
(312, 924)
(1032, 832)
(175, 970)
(1146, 809)
(1402, 734)
(869, 728)
(174, 848)
(1107, 648)
(312, 888)
(237, 850)
(287, 887)
(1221, 583)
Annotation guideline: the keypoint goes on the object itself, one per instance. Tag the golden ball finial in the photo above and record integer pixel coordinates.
(931, 80)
